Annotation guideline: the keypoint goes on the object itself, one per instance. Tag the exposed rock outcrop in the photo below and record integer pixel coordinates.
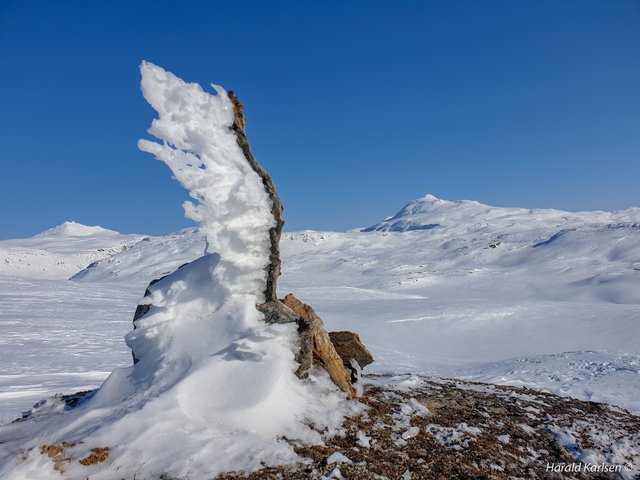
(350, 348)
(316, 346)
(315, 343)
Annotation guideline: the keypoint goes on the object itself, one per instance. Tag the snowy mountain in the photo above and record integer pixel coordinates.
(61, 251)
(543, 298)
(430, 212)
(563, 255)
(73, 229)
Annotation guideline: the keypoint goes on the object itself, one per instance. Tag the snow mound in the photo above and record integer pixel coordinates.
(73, 229)
(212, 392)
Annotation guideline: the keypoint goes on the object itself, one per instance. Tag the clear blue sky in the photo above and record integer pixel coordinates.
(354, 108)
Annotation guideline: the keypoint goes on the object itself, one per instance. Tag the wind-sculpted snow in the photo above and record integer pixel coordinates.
(233, 209)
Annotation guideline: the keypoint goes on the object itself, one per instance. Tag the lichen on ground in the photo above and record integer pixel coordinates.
(442, 429)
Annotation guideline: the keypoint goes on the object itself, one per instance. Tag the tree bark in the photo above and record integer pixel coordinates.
(273, 269)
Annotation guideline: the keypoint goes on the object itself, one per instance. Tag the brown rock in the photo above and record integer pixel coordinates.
(350, 347)
(315, 344)
(323, 352)
(277, 312)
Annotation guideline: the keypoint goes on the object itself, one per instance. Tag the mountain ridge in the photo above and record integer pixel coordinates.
(74, 229)
(428, 212)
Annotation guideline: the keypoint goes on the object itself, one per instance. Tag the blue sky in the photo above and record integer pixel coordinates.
(354, 108)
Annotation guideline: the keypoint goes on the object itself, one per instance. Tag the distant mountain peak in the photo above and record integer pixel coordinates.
(429, 212)
(415, 215)
(430, 198)
(73, 229)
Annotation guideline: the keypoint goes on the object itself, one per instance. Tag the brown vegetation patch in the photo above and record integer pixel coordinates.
(97, 455)
(443, 429)
(56, 453)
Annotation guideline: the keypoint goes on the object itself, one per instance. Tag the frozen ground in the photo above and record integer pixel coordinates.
(540, 298)
(58, 336)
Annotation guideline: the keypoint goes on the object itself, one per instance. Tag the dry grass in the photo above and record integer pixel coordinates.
(97, 455)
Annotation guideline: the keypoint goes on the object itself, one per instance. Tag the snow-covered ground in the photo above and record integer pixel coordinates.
(540, 298)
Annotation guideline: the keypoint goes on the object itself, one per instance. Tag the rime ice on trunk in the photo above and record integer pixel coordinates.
(205, 145)
(273, 268)
(315, 344)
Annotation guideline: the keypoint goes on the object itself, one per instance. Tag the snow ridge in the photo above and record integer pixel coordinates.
(61, 251)
(430, 212)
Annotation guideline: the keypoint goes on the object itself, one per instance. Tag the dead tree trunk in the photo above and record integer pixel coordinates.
(273, 269)
(315, 344)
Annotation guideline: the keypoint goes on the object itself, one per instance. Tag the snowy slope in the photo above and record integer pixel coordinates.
(61, 251)
(542, 298)
(152, 257)
(491, 294)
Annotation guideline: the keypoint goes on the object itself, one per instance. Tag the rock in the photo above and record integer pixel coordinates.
(317, 346)
(142, 309)
(350, 347)
(460, 436)
(277, 312)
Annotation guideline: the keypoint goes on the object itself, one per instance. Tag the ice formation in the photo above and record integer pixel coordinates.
(215, 387)
(198, 145)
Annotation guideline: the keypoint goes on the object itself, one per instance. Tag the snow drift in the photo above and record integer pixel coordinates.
(214, 387)
(233, 209)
